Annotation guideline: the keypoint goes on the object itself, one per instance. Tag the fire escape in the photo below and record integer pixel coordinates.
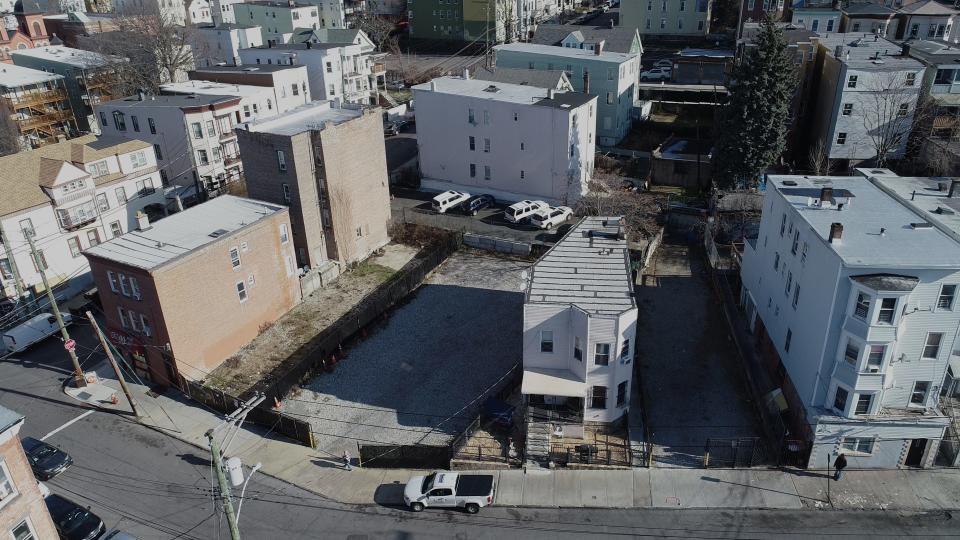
(43, 116)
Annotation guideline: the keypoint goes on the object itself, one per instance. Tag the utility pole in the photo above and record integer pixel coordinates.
(113, 362)
(224, 488)
(79, 379)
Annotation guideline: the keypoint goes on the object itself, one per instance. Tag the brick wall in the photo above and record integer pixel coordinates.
(27, 503)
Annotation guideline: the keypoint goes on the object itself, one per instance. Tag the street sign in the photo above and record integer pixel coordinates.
(70, 344)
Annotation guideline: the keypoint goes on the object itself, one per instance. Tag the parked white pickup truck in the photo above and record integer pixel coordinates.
(444, 489)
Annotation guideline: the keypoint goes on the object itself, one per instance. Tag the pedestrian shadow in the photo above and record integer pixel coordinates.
(719, 481)
(389, 494)
(194, 459)
(327, 462)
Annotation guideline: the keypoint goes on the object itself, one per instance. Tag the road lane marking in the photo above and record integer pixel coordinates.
(68, 424)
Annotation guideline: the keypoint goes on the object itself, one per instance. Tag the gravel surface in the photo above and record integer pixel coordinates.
(459, 333)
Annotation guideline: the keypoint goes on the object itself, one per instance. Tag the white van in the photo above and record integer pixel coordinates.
(33, 331)
(449, 199)
(520, 211)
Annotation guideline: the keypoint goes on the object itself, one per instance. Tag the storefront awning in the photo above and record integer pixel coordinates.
(552, 382)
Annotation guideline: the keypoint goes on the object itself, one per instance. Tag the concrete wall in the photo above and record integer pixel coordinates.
(28, 504)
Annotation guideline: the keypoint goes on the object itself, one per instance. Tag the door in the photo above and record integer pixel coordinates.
(441, 497)
(915, 454)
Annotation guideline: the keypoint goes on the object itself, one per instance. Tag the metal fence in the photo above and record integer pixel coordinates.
(489, 226)
(739, 452)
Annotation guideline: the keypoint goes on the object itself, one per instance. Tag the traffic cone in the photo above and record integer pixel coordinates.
(276, 403)
(114, 399)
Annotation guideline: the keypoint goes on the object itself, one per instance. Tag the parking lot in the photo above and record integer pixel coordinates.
(415, 379)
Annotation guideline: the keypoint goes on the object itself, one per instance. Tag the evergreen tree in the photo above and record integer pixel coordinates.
(753, 125)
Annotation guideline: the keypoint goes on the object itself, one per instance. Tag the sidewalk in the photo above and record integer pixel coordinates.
(908, 490)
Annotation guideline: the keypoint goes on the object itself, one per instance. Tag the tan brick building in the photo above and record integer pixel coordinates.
(184, 294)
(23, 514)
(329, 166)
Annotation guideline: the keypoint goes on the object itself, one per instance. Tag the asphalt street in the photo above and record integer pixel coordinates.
(158, 487)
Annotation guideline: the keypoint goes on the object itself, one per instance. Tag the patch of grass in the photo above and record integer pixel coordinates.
(377, 271)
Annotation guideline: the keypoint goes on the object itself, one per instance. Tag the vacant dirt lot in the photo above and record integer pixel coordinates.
(303, 322)
(414, 378)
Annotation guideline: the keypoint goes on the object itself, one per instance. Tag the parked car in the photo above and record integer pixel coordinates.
(73, 521)
(449, 199)
(664, 63)
(519, 212)
(46, 460)
(656, 74)
(33, 331)
(476, 203)
(551, 217)
(443, 489)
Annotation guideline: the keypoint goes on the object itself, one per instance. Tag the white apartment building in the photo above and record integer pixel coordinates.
(579, 325)
(73, 195)
(866, 92)
(508, 140)
(171, 10)
(289, 83)
(221, 44)
(256, 102)
(851, 285)
(192, 136)
(928, 19)
(221, 11)
(338, 72)
(199, 12)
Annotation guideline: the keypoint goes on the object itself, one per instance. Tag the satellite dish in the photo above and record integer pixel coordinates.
(524, 275)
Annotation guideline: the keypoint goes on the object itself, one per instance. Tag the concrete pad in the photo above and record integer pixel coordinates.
(538, 489)
(593, 489)
(741, 489)
(663, 491)
(510, 488)
(567, 488)
(619, 488)
(936, 488)
(874, 490)
(641, 488)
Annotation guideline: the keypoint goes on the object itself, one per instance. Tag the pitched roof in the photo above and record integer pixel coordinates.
(8, 418)
(617, 39)
(24, 171)
(930, 7)
(529, 77)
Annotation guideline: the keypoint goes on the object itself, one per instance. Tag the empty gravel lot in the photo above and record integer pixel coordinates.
(455, 337)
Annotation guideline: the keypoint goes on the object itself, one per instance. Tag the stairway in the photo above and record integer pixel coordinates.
(538, 444)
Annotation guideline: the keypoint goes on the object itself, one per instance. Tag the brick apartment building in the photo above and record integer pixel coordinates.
(23, 515)
(182, 295)
(329, 166)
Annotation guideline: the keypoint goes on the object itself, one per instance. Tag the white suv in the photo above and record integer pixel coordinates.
(519, 212)
(449, 199)
(551, 217)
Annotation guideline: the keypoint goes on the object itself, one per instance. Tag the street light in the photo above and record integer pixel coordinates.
(243, 490)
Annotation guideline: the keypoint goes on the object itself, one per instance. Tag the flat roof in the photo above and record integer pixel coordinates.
(552, 382)
(65, 55)
(860, 51)
(565, 52)
(510, 93)
(934, 51)
(267, 3)
(540, 78)
(303, 46)
(927, 196)
(179, 100)
(183, 232)
(588, 268)
(303, 118)
(12, 76)
(908, 239)
(256, 68)
(226, 26)
(215, 88)
(8, 418)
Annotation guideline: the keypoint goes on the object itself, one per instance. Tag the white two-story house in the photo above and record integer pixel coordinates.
(851, 290)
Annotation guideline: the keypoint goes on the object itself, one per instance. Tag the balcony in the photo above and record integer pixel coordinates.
(883, 333)
(228, 136)
(40, 120)
(32, 99)
(77, 216)
(83, 195)
(231, 161)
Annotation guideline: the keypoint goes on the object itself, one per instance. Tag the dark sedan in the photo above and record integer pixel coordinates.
(46, 461)
(476, 203)
(73, 521)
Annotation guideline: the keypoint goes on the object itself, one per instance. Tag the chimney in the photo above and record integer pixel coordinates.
(549, 93)
(598, 48)
(466, 74)
(586, 81)
(611, 23)
(143, 222)
(826, 196)
(838, 51)
(433, 85)
(309, 45)
(953, 189)
(836, 231)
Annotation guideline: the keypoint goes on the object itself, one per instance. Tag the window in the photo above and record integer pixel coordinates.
(234, 257)
(776, 261)
(473, 143)
(786, 291)
(888, 307)
(796, 295)
(622, 394)
(663, 23)
(284, 234)
(118, 121)
(486, 172)
(577, 349)
(803, 253)
(847, 109)
(23, 530)
(471, 117)
(816, 25)
(124, 287)
(625, 351)
(138, 159)
(840, 399)
(852, 81)
(74, 244)
(857, 445)
(473, 170)
(601, 355)
(911, 79)
(288, 260)
(43, 261)
(157, 152)
(919, 394)
(153, 125)
(112, 278)
(197, 130)
(103, 118)
(862, 306)
(99, 169)
(211, 129)
(486, 117)
(486, 146)
(863, 404)
(783, 224)
(242, 291)
(7, 490)
(135, 287)
(786, 343)
(842, 138)
(5, 269)
(103, 204)
(123, 318)
(903, 109)
(216, 154)
(931, 348)
(852, 353)
(546, 341)
(598, 397)
(522, 174)
(145, 187)
(286, 192)
(145, 325)
(281, 161)
(516, 117)
(202, 157)
(947, 294)
(115, 229)
(136, 123)
(830, 25)
(875, 358)
(610, 98)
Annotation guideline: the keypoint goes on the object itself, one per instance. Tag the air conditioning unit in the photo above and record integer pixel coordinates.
(558, 431)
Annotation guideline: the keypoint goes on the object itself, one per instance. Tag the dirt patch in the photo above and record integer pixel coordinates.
(278, 341)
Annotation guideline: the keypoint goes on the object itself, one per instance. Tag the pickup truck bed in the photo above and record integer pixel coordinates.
(474, 485)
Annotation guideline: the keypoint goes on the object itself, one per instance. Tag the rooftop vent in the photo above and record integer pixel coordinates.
(218, 233)
(921, 225)
(491, 88)
(789, 183)
(944, 211)
(836, 232)
(878, 171)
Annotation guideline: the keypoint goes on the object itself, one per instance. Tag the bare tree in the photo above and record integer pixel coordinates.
(889, 111)
(819, 159)
(608, 197)
(9, 132)
(377, 28)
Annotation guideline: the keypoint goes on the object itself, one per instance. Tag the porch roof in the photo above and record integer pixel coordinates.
(552, 382)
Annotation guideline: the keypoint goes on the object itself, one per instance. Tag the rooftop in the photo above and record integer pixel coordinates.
(64, 55)
(868, 9)
(214, 89)
(934, 51)
(286, 5)
(706, 53)
(564, 52)
(257, 68)
(529, 77)
(868, 51)
(226, 26)
(303, 46)
(182, 100)
(792, 34)
(8, 418)
(22, 171)
(12, 76)
(184, 232)
(878, 231)
(616, 39)
(306, 117)
(588, 268)
(511, 93)
(926, 196)
(930, 7)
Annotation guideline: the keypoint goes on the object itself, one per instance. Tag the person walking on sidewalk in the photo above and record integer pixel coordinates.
(840, 464)
(346, 461)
